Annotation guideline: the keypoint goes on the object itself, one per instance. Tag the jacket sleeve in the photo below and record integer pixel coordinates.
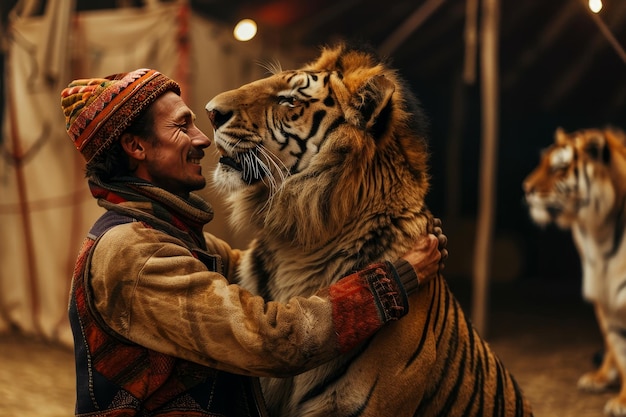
(156, 294)
(230, 257)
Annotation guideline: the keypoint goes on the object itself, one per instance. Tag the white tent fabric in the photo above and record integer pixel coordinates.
(45, 207)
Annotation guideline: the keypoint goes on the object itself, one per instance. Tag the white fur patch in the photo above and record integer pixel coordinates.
(561, 157)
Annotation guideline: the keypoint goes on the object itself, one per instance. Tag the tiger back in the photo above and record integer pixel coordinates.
(327, 165)
(580, 185)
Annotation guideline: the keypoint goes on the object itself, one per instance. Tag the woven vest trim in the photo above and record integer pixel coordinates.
(115, 377)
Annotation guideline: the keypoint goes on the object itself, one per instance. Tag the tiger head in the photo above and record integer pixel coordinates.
(580, 177)
(340, 137)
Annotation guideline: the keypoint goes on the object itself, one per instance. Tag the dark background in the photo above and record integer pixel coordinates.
(556, 69)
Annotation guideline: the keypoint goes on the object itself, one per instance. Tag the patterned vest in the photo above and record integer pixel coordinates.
(115, 377)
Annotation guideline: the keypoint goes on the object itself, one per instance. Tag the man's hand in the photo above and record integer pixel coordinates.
(429, 254)
(443, 242)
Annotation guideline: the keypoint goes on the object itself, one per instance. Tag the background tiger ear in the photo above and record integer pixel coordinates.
(560, 136)
(615, 134)
(598, 149)
(373, 102)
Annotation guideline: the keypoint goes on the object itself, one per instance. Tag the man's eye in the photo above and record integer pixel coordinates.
(289, 101)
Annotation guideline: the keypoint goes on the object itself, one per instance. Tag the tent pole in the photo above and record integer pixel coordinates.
(488, 163)
(410, 25)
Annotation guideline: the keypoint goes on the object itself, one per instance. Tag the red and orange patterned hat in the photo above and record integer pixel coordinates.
(98, 110)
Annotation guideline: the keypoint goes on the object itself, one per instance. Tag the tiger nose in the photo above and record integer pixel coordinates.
(217, 117)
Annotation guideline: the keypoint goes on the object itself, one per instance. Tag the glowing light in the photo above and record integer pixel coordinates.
(595, 5)
(245, 30)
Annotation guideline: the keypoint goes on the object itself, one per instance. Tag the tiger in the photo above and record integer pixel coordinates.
(580, 185)
(328, 166)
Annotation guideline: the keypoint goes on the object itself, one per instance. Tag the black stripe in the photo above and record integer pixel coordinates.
(444, 316)
(498, 400)
(620, 228)
(471, 341)
(486, 354)
(359, 411)
(519, 400)
(620, 331)
(329, 379)
(318, 116)
(425, 330)
(453, 395)
(621, 286)
(448, 355)
(479, 385)
(263, 276)
(476, 369)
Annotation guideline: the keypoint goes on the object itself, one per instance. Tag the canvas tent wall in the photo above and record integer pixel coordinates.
(45, 207)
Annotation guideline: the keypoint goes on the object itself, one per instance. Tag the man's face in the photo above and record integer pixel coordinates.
(172, 160)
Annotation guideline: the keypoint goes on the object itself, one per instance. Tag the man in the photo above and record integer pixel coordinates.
(158, 328)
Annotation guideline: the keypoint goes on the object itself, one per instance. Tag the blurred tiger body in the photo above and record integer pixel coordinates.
(580, 184)
(329, 164)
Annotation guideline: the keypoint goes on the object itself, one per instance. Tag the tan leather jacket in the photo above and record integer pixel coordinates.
(150, 288)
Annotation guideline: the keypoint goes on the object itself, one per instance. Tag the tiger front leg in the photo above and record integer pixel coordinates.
(602, 379)
(616, 406)
(607, 375)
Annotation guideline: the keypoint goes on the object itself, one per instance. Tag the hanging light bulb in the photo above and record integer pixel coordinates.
(595, 5)
(245, 30)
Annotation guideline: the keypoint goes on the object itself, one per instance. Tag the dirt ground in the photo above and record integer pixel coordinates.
(545, 338)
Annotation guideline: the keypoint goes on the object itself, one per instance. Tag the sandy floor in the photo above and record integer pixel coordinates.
(546, 344)
(36, 379)
(548, 358)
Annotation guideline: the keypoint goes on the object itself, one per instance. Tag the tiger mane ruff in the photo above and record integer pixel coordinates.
(580, 185)
(341, 148)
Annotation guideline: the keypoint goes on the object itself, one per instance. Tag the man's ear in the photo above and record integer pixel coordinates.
(133, 146)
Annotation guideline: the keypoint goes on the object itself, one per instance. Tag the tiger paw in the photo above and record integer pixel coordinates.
(616, 407)
(598, 381)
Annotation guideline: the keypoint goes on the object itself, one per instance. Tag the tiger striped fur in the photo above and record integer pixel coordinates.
(580, 184)
(329, 164)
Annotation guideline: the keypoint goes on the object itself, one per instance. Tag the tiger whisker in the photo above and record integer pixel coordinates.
(276, 162)
(273, 185)
(272, 67)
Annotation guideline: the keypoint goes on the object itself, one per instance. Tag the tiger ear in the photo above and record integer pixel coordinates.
(560, 137)
(598, 149)
(374, 103)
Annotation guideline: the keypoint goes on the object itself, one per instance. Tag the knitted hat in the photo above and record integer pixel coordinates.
(98, 110)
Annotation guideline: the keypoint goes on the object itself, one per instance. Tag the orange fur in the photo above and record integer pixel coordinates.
(580, 185)
(348, 191)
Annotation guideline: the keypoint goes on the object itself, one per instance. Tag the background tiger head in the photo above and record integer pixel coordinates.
(581, 176)
(340, 137)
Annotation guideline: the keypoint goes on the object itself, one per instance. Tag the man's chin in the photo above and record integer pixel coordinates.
(199, 185)
(196, 185)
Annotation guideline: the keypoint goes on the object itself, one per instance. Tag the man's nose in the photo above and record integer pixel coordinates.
(199, 139)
